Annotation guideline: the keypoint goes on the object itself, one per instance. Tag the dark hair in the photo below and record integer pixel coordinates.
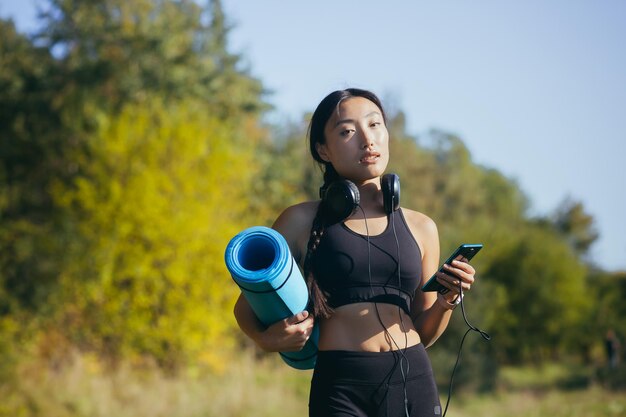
(320, 117)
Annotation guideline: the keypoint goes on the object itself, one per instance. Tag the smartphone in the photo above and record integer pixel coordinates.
(467, 251)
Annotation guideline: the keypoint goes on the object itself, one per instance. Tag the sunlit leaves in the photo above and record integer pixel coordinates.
(162, 189)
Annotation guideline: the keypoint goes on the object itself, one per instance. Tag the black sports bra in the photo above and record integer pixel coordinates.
(340, 265)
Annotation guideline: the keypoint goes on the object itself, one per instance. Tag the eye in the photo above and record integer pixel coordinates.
(346, 132)
(375, 124)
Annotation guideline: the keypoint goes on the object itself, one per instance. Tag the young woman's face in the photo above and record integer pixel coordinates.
(357, 141)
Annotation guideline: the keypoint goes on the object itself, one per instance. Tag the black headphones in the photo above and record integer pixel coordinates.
(341, 198)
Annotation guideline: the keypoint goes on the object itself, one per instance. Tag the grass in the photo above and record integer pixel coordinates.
(247, 387)
(589, 402)
(554, 389)
(82, 388)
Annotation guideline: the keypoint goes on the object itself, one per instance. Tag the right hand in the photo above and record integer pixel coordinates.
(288, 335)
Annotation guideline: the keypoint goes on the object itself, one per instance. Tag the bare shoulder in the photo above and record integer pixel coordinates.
(297, 216)
(423, 228)
(421, 222)
(294, 223)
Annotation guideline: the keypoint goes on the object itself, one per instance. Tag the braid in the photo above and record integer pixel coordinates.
(319, 299)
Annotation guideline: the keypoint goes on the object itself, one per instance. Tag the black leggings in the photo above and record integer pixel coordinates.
(371, 384)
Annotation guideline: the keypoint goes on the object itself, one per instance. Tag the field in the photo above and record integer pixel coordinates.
(252, 387)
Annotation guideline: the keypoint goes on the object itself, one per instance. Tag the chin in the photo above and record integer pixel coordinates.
(378, 170)
(371, 175)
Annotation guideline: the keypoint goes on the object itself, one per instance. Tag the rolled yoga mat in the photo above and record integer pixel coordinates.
(260, 262)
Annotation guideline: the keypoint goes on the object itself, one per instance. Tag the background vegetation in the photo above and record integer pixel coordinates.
(133, 147)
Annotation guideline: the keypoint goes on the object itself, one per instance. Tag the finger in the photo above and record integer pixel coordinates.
(464, 266)
(453, 274)
(466, 275)
(303, 315)
(456, 278)
(448, 281)
(307, 334)
(308, 322)
(301, 336)
(297, 318)
(302, 329)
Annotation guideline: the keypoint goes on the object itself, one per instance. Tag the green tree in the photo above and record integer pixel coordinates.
(115, 51)
(288, 174)
(540, 298)
(469, 203)
(607, 290)
(577, 226)
(30, 155)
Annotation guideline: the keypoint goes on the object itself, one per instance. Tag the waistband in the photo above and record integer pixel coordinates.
(356, 367)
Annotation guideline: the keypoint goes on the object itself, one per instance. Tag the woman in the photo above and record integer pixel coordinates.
(364, 274)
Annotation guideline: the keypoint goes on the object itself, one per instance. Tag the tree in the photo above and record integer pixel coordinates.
(30, 155)
(287, 175)
(90, 70)
(88, 61)
(116, 51)
(162, 189)
(577, 226)
(540, 297)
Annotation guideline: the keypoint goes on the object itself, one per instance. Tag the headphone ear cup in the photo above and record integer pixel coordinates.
(390, 184)
(340, 201)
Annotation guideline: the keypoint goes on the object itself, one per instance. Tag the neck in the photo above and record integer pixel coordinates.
(371, 196)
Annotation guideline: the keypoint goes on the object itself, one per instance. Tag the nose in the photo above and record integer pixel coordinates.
(367, 138)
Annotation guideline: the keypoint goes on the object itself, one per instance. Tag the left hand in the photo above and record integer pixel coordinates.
(459, 273)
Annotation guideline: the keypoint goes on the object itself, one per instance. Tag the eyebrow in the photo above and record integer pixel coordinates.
(352, 120)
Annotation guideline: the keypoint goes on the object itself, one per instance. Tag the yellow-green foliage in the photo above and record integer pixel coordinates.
(160, 192)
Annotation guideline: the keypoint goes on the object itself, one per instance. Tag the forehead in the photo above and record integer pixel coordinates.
(353, 109)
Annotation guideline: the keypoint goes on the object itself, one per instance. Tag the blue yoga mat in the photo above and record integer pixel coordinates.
(260, 262)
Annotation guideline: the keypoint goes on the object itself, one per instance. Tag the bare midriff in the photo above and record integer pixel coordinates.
(367, 327)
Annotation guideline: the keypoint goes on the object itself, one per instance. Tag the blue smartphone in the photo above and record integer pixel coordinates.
(467, 251)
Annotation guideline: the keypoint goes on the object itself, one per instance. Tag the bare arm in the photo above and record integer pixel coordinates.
(430, 315)
(292, 333)
(286, 335)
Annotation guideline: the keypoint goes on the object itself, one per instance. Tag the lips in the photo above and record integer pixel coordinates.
(369, 158)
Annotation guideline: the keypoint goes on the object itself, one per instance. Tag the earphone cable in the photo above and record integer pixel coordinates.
(458, 357)
(388, 336)
(406, 340)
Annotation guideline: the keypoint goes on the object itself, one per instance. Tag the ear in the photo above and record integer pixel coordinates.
(322, 151)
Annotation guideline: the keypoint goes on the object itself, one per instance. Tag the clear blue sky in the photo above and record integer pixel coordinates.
(536, 89)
